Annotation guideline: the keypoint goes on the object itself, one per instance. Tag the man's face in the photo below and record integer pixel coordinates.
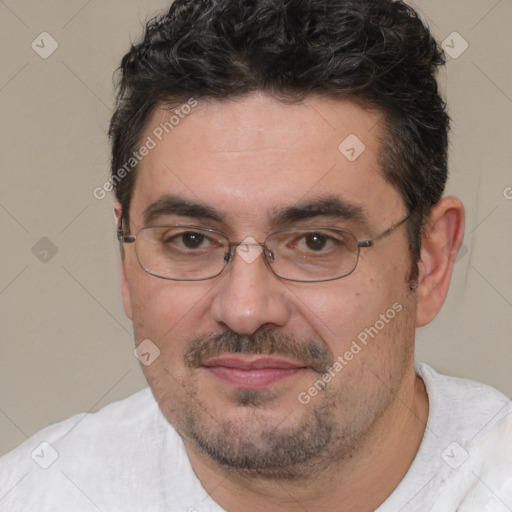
(239, 353)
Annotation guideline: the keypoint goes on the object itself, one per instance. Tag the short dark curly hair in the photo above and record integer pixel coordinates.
(376, 52)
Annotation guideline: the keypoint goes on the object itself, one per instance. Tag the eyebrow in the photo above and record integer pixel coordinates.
(332, 207)
(174, 205)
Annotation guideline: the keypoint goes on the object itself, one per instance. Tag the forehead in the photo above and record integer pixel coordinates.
(248, 156)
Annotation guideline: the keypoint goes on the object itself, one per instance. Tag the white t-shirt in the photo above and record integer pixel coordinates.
(127, 458)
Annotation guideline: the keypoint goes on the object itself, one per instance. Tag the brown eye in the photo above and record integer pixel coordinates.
(192, 240)
(315, 241)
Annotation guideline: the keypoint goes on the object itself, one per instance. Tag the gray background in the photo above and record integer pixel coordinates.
(66, 345)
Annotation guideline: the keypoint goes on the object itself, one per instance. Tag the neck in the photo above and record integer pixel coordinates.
(358, 484)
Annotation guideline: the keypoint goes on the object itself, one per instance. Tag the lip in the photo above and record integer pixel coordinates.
(251, 371)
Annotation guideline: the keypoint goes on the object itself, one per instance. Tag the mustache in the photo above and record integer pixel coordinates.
(317, 356)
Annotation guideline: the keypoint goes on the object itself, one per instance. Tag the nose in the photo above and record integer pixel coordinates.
(249, 296)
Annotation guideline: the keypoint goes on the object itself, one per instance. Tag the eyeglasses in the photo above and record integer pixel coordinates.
(189, 253)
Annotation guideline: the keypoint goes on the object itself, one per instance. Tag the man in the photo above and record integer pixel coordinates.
(279, 170)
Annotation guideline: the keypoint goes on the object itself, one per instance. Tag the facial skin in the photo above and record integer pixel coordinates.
(258, 445)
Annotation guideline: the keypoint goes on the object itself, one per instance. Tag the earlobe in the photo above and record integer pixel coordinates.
(125, 290)
(441, 241)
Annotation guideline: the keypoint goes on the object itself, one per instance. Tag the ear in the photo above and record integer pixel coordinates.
(442, 238)
(125, 290)
(118, 213)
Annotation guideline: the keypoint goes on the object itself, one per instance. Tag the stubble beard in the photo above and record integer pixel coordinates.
(330, 430)
(335, 425)
(257, 447)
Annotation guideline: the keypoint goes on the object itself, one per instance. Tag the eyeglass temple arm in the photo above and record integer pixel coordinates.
(121, 237)
(369, 243)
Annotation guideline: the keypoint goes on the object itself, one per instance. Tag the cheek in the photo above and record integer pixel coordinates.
(333, 310)
(342, 310)
(167, 312)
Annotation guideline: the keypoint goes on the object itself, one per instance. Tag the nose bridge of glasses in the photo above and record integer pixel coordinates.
(249, 249)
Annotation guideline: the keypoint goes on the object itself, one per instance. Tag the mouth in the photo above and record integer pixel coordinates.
(252, 371)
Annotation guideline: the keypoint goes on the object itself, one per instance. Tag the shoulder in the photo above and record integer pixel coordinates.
(478, 470)
(455, 385)
(120, 416)
(484, 479)
(82, 448)
(471, 407)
